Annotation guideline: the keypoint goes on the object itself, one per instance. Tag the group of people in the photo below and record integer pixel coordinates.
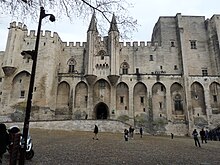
(129, 133)
(204, 135)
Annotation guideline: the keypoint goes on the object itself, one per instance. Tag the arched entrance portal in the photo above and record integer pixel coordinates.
(101, 111)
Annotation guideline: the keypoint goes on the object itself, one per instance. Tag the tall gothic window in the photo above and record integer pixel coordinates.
(124, 68)
(71, 63)
(178, 103)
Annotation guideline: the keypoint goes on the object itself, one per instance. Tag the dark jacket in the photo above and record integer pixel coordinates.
(96, 130)
(4, 139)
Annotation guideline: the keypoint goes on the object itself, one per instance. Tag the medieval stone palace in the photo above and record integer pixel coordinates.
(171, 84)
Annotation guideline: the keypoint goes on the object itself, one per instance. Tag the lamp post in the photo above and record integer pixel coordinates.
(33, 55)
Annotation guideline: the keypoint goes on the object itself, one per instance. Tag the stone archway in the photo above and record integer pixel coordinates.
(101, 111)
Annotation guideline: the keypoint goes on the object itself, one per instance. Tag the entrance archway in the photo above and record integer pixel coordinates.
(101, 111)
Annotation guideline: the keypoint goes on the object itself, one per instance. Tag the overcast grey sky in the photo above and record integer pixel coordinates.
(146, 12)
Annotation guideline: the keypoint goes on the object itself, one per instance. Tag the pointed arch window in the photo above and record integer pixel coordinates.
(102, 54)
(124, 68)
(71, 64)
(178, 103)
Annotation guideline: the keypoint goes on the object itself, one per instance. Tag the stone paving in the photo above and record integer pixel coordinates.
(78, 148)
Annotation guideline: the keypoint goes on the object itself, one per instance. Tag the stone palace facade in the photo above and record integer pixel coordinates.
(171, 84)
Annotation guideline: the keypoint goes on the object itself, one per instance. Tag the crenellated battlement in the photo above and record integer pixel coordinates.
(18, 25)
(74, 44)
(138, 44)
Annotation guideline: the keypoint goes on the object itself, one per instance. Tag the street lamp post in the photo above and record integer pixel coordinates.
(33, 55)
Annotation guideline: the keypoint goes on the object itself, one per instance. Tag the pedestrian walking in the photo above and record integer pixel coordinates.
(126, 134)
(172, 135)
(196, 139)
(203, 136)
(96, 131)
(141, 131)
(4, 140)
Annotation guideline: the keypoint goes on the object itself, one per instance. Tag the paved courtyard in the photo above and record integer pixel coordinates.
(78, 148)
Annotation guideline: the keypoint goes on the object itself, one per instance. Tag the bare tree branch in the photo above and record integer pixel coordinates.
(83, 9)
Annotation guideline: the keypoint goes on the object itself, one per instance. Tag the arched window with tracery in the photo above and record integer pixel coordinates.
(124, 68)
(178, 103)
(71, 63)
(102, 53)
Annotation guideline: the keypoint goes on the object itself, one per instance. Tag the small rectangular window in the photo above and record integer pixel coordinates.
(151, 58)
(160, 104)
(0, 79)
(193, 44)
(142, 100)
(215, 98)
(161, 88)
(161, 67)
(86, 98)
(204, 72)
(121, 99)
(22, 94)
(137, 70)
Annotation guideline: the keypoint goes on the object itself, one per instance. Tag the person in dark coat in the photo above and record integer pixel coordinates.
(196, 139)
(96, 130)
(141, 131)
(202, 135)
(126, 134)
(4, 140)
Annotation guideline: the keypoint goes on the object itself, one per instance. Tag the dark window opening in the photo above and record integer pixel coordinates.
(86, 98)
(193, 44)
(124, 71)
(172, 44)
(178, 105)
(142, 100)
(204, 72)
(175, 67)
(102, 84)
(121, 99)
(160, 104)
(162, 88)
(151, 58)
(215, 98)
(71, 69)
(144, 110)
(137, 70)
(22, 94)
(126, 108)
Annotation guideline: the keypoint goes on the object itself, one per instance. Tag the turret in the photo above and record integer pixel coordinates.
(113, 39)
(13, 46)
(92, 35)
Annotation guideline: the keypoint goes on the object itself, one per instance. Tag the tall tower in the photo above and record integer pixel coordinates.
(13, 47)
(113, 48)
(92, 35)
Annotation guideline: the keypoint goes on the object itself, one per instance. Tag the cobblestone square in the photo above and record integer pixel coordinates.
(78, 148)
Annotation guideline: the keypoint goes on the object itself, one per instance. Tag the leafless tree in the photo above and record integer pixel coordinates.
(76, 9)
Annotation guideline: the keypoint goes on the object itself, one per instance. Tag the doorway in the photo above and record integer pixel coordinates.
(101, 111)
